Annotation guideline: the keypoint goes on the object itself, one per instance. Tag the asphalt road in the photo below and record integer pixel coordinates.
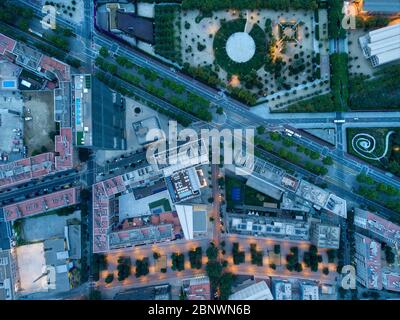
(239, 115)
(335, 183)
(236, 110)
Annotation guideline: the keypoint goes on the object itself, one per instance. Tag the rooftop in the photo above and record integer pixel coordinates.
(142, 127)
(178, 158)
(377, 225)
(64, 148)
(184, 184)
(283, 290)
(262, 226)
(368, 259)
(132, 24)
(309, 291)
(141, 235)
(60, 69)
(110, 230)
(326, 236)
(198, 288)
(382, 45)
(391, 280)
(158, 292)
(6, 44)
(23, 170)
(256, 291)
(193, 219)
(270, 174)
(382, 6)
(41, 204)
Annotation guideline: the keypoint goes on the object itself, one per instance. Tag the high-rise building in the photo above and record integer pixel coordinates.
(325, 235)
(368, 262)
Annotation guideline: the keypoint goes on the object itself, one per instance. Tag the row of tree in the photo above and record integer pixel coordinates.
(207, 6)
(339, 80)
(167, 41)
(192, 103)
(220, 281)
(113, 84)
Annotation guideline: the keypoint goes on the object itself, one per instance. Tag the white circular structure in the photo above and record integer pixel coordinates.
(240, 47)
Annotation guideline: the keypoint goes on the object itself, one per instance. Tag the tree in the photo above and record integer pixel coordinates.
(331, 255)
(195, 258)
(390, 256)
(109, 278)
(325, 271)
(214, 271)
(156, 255)
(104, 52)
(85, 195)
(327, 161)
(260, 130)
(220, 110)
(44, 149)
(84, 154)
(212, 252)
(298, 267)
(226, 285)
(124, 268)
(142, 267)
(178, 261)
(277, 249)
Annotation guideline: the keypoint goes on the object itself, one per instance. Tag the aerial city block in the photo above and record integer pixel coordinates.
(214, 150)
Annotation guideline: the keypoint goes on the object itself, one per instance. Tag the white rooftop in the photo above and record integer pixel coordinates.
(382, 45)
(257, 291)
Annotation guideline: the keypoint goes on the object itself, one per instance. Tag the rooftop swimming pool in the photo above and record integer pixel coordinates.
(78, 112)
(9, 84)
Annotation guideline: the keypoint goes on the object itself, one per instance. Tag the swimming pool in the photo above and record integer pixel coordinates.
(78, 112)
(9, 84)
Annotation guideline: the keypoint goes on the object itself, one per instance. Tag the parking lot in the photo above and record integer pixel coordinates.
(46, 227)
(39, 106)
(11, 125)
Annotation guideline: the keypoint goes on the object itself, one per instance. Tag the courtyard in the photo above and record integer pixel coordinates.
(279, 48)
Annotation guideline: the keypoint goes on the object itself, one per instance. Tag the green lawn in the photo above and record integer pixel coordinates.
(248, 196)
(391, 161)
(162, 202)
(380, 93)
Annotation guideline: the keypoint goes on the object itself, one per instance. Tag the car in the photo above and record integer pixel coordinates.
(289, 132)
